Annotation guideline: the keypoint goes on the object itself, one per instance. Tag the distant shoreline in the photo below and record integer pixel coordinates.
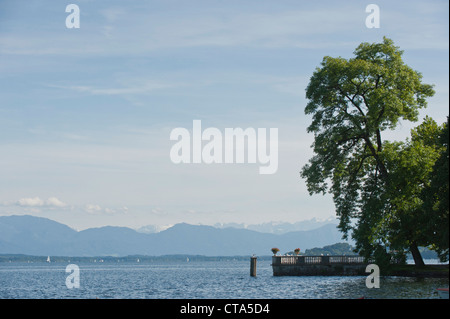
(409, 270)
(6, 258)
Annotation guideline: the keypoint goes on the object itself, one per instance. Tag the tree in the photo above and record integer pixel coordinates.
(435, 200)
(352, 102)
(404, 223)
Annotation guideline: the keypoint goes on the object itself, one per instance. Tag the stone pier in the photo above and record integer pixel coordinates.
(318, 266)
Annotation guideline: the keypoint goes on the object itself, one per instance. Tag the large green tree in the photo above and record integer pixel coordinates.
(352, 102)
(435, 199)
(398, 218)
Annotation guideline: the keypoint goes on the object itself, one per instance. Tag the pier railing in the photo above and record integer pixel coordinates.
(318, 260)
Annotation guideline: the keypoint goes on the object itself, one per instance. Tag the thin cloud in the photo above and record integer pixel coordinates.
(53, 201)
(96, 209)
(144, 88)
(38, 202)
(141, 30)
(30, 202)
(93, 208)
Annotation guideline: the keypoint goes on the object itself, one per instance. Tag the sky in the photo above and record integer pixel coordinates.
(86, 113)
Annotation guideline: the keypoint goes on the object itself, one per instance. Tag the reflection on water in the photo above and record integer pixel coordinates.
(197, 280)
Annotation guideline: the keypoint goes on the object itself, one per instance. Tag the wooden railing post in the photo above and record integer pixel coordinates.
(253, 266)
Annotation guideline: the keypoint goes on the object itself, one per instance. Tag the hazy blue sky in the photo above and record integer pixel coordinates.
(86, 114)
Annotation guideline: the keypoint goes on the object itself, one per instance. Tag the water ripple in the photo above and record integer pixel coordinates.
(196, 280)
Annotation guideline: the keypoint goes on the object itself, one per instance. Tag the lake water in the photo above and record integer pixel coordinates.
(195, 280)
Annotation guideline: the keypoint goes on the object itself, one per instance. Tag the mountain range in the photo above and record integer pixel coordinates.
(32, 235)
(268, 227)
(282, 227)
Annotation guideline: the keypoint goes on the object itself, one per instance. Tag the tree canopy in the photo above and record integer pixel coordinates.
(376, 185)
(435, 199)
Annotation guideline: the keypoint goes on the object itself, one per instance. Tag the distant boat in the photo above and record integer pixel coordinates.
(138, 260)
(48, 259)
(187, 259)
(443, 293)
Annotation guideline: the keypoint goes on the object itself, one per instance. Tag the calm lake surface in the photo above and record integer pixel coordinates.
(195, 280)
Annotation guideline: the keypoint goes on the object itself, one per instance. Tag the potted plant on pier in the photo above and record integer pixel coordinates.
(297, 251)
(275, 251)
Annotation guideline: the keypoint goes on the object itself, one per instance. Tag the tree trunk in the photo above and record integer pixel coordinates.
(381, 166)
(418, 261)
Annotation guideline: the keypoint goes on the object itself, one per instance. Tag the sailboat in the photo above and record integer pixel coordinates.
(48, 259)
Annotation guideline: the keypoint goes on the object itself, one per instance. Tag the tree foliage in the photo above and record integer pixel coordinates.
(435, 199)
(399, 220)
(373, 182)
